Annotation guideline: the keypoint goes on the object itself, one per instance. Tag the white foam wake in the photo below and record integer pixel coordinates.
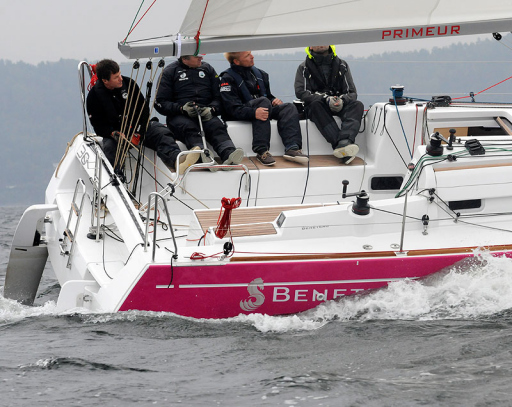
(468, 290)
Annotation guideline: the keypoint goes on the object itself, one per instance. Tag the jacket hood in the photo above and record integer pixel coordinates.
(332, 47)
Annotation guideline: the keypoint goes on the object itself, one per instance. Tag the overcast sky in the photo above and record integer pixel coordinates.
(48, 30)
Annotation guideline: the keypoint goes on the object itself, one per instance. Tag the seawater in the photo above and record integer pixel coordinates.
(442, 341)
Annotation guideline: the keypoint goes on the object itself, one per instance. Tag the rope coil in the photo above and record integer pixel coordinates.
(224, 221)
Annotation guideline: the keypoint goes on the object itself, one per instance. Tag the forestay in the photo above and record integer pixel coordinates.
(225, 25)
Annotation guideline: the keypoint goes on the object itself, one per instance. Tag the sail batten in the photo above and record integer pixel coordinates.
(225, 25)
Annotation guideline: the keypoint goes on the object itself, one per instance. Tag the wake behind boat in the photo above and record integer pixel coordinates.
(430, 185)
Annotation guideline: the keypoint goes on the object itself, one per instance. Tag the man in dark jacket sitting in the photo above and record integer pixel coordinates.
(245, 92)
(189, 88)
(324, 83)
(117, 109)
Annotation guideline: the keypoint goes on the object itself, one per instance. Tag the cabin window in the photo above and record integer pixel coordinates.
(468, 204)
(386, 183)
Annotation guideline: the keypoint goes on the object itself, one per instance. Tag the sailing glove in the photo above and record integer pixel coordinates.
(206, 113)
(190, 109)
(335, 103)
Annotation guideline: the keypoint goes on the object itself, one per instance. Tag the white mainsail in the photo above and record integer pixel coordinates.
(226, 25)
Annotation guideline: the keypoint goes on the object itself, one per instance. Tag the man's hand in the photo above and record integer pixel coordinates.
(261, 113)
(206, 113)
(335, 103)
(277, 102)
(190, 109)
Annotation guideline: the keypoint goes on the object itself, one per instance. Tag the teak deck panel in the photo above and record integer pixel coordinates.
(252, 221)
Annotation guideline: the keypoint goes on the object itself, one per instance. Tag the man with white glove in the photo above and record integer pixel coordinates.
(325, 85)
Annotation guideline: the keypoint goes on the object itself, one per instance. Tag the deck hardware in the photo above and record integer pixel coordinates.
(451, 139)
(367, 247)
(394, 246)
(474, 147)
(228, 247)
(434, 148)
(425, 219)
(360, 206)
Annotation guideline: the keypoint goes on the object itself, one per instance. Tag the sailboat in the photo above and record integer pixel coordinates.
(430, 188)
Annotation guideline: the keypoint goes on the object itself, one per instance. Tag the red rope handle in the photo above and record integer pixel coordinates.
(224, 222)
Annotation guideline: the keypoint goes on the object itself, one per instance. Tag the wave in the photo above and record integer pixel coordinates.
(472, 289)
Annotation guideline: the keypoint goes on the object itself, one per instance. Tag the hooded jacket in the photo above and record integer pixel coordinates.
(311, 85)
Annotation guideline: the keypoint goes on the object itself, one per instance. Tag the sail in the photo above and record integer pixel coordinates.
(226, 25)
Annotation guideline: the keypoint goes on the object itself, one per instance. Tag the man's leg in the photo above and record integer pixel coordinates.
(160, 138)
(218, 137)
(109, 146)
(351, 116)
(186, 130)
(260, 128)
(320, 114)
(288, 125)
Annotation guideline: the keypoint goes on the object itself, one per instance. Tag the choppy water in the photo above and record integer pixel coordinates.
(445, 341)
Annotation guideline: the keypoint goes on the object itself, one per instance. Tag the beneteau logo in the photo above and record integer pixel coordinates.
(256, 298)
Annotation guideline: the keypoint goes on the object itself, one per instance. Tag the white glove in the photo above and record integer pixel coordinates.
(335, 103)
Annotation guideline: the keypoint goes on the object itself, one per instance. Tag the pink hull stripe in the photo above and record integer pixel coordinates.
(277, 288)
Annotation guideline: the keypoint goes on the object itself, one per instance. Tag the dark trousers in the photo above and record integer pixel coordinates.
(287, 124)
(158, 137)
(351, 115)
(188, 132)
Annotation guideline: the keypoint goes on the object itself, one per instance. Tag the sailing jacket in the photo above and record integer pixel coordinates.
(310, 83)
(180, 84)
(106, 108)
(238, 85)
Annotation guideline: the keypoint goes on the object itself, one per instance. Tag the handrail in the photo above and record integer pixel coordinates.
(146, 237)
(81, 83)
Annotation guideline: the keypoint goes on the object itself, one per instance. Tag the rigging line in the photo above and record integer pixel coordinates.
(496, 84)
(103, 258)
(118, 150)
(384, 127)
(138, 21)
(128, 144)
(457, 219)
(401, 125)
(134, 18)
(307, 143)
(198, 41)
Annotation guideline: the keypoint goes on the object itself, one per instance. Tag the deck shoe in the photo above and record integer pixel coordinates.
(209, 160)
(234, 158)
(296, 156)
(189, 159)
(266, 158)
(346, 148)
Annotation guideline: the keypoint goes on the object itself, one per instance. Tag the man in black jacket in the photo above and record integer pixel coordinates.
(115, 105)
(245, 92)
(324, 83)
(189, 88)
